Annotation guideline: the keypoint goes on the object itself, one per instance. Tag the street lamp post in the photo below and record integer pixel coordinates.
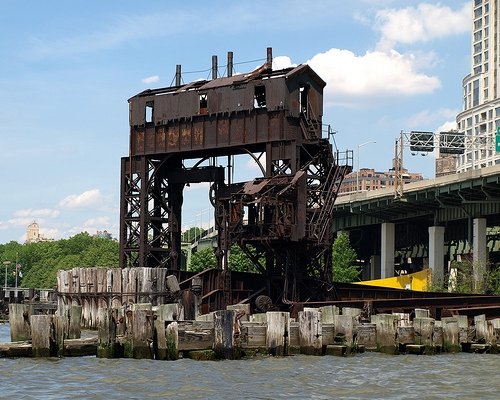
(6, 264)
(357, 159)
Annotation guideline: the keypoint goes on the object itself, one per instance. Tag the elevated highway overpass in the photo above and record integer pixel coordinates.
(433, 222)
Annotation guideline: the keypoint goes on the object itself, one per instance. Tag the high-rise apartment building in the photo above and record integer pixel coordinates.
(481, 93)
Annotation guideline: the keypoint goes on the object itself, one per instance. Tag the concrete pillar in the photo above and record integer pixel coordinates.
(387, 250)
(436, 253)
(375, 267)
(479, 253)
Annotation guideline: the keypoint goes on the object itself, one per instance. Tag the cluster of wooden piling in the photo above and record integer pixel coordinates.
(95, 288)
(46, 335)
(160, 332)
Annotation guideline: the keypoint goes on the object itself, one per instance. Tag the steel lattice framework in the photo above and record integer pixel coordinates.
(282, 221)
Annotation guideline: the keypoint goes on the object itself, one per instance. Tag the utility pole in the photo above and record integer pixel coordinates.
(398, 167)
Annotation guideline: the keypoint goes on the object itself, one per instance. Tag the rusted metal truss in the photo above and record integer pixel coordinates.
(282, 221)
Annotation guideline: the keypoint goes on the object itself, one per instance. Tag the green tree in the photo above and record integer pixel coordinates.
(40, 261)
(203, 259)
(192, 234)
(343, 259)
(239, 261)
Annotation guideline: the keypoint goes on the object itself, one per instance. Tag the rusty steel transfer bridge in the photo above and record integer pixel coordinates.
(282, 220)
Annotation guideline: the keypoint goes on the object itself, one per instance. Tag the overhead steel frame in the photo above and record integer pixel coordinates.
(282, 221)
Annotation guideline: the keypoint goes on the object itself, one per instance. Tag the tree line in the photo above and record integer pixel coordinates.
(40, 261)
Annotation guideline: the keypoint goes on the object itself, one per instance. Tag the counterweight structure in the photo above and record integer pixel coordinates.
(282, 220)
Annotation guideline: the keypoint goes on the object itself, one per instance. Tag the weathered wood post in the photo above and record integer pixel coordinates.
(310, 332)
(278, 333)
(170, 312)
(424, 329)
(451, 334)
(107, 346)
(422, 313)
(60, 324)
(139, 331)
(482, 333)
(172, 340)
(466, 333)
(438, 336)
(351, 311)
(386, 332)
(344, 329)
(367, 336)
(482, 339)
(74, 322)
(165, 337)
(495, 326)
(224, 331)
(73, 316)
(326, 316)
(19, 321)
(40, 336)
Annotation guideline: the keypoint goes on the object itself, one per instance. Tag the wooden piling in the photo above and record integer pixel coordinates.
(106, 345)
(74, 322)
(438, 336)
(451, 335)
(424, 329)
(310, 333)
(367, 336)
(344, 328)
(482, 332)
(224, 343)
(138, 338)
(386, 332)
(278, 333)
(170, 312)
(172, 340)
(422, 313)
(19, 321)
(40, 335)
(60, 333)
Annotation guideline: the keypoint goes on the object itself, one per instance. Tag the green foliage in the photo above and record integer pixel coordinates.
(463, 280)
(343, 258)
(192, 234)
(492, 281)
(238, 260)
(40, 261)
(203, 259)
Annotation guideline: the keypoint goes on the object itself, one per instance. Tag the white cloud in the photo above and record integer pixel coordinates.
(430, 118)
(281, 62)
(37, 213)
(97, 222)
(151, 79)
(421, 23)
(447, 126)
(50, 233)
(86, 199)
(252, 164)
(351, 78)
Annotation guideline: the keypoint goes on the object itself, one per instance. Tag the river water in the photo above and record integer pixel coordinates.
(364, 376)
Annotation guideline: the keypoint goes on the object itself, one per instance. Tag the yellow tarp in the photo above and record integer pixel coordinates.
(418, 281)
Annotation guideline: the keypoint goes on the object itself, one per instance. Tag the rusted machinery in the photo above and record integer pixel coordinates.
(281, 220)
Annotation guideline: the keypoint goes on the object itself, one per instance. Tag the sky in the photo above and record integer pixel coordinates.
(68, 68)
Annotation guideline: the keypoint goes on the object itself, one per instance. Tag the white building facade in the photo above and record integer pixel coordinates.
(481, 100)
